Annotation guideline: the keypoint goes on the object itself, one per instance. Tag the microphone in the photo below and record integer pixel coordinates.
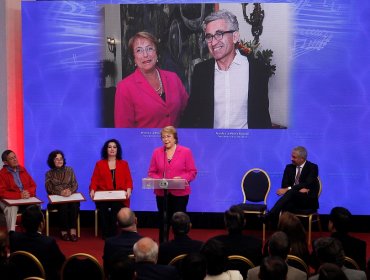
(164, 161)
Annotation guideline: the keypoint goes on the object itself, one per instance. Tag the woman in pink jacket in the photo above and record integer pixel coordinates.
(172, 161)
(149, 97)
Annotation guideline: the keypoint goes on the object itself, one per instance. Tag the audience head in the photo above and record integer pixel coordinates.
(111, 147)
(329, 250)
(273, 268)
(146, 250)
(292, 226)
(193, 267)
(299, 155)
(122, 268)
(234, 219)
(215, 255)
(279, 245)
(126, 219)
(9, 158)
(180, 223)
(340, 220)
(330, 271)
(32, 219)
(56, 159)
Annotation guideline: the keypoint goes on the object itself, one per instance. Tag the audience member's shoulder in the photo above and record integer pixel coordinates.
(354, 274)
(296, 274)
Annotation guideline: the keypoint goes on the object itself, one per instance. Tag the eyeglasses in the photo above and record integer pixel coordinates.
(148, 50)
(218, 35)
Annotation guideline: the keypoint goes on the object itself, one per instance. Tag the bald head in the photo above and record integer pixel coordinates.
(126, 219)
(146, 250)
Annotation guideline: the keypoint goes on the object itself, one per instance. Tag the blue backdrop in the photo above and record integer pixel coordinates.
(329, 108)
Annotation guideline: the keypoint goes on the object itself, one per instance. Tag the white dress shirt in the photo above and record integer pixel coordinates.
(231, 94)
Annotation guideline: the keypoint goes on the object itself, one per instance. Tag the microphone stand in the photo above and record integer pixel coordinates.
(165, 202)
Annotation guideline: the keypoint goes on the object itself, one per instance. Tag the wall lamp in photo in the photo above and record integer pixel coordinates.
(111, 42)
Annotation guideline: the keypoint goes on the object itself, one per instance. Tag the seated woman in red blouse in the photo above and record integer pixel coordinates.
(111, 173)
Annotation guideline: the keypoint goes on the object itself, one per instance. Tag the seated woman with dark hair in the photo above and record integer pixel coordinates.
(293, 228)
(61, 180)
(216, 260)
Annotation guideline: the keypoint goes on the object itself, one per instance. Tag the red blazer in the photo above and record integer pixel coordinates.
(101, 179)
(8, 187)
(182, 165)
(138, 105)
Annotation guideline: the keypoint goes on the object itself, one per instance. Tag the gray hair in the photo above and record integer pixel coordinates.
(302, 152)
(227, 16)
(146, 250)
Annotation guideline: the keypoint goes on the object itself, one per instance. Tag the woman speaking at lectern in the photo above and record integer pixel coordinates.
(172, 161)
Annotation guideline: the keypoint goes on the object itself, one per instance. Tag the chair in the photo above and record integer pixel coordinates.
(82, 266)
(51, 209)
(34, 278)
(255, 187)
(177, 259)
(96, 222)
(351, 263)
(298, 263)
(311, 214)
(27, 264)
(243, 264)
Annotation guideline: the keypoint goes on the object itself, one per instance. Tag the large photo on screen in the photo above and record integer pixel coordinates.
(198, 95)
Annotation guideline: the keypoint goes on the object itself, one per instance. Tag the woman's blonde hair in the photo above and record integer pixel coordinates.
(170, 130)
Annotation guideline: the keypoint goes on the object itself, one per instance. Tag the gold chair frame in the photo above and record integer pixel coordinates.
(32, 258)
(177, 259)
(241, 258)
(352, 262)
(82, 255)
(300, 261)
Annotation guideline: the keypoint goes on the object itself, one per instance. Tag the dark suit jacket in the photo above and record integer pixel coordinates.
(151, 271)
(43, 247)
(353, 247)
(308, 179)
(180, 245)
(243, 245)
(199, 112)
(116, 246)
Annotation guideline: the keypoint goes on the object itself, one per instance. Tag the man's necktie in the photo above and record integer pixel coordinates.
(296, 180)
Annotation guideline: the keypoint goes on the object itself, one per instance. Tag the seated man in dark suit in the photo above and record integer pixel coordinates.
(330, 250)
(146, 255)
(122, 244)
(182, 243)
(235, 242)
(279, 246)
(299, 188)
(339, 226)
(43, 247)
